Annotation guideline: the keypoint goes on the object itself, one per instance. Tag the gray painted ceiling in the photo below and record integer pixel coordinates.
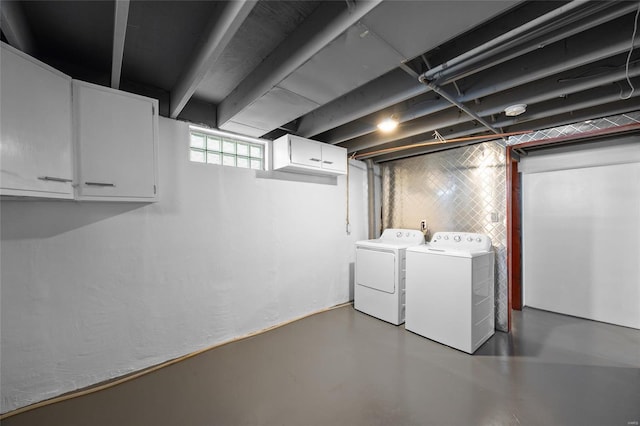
(332, 70)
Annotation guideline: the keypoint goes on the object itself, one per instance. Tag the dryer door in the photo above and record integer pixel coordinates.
(376, 269)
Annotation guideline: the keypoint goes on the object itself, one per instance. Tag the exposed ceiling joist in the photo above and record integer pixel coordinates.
(540, 64)
(569, 118)
(529, 89)
(548, 89)
(580, 107)
(121, 16)
(334, 70)
(391, 88)
(222, 30)
(353, 106)
(14, 26)
(581, 101)
(416, 128)
(438, 140)
(326, 23)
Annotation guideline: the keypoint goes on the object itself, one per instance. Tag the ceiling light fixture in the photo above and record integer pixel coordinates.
(388, 124)
(514, 110)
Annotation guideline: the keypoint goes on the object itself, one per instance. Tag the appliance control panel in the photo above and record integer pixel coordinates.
(404, 235)
(461, 241)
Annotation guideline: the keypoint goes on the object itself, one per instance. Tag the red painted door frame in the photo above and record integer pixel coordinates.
(514, 217)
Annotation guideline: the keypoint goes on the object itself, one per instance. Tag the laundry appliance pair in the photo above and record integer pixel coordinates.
(442, 290)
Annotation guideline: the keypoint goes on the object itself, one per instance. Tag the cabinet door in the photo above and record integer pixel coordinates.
(116, 137)
(305, 152)
(35, 128)
(334, 158)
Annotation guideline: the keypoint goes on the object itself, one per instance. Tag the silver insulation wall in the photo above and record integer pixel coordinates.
(462, 189)
(577, 128)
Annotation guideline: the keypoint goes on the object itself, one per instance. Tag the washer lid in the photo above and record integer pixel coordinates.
(430, 249)
(459, 242)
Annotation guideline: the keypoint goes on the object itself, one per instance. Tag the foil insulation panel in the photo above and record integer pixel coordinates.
(464, 189)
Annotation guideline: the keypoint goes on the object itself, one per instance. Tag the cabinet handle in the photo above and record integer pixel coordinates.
(328, 162)
(99, 184)
(314, 159)
(54, 179)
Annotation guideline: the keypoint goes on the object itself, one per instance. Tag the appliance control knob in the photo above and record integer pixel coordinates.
(479, 239)
(399, 234)
(457, 238)
(439, 236)
(446, 237)
(407, 234)
(469, 239)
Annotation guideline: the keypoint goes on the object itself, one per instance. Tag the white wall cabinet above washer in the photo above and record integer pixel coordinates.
(297, 154)
(35, 129)
(116, 137)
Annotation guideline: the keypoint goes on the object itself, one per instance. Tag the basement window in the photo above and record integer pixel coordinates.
(215, 147)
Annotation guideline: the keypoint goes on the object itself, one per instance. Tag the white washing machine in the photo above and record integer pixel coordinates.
(380, 274)
(450, 290)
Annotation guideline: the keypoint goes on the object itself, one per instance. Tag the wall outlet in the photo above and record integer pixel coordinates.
(423, 225)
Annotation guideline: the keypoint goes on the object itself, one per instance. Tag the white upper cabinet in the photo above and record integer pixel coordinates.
(303, 152)
(334, 158)
(116, 136)
(297, 154)
(35, 129)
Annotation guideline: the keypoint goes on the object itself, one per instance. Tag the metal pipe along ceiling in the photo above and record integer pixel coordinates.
(508, 40)
(520, 47)
(462, 107)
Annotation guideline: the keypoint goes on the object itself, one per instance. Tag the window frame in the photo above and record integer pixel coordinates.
(237, 139)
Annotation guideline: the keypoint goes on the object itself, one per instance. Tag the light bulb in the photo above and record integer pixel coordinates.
(388, 124)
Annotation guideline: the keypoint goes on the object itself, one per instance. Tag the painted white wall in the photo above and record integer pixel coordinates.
(581, 232)
(93, 290)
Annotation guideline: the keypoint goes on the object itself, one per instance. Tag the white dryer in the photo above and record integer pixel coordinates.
(380, 274)
(450, 290)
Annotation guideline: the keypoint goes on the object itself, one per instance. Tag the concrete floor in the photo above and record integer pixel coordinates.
(345, 368)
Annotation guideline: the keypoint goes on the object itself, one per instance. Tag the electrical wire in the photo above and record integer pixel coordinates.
(438, 136)
(348, 224)
(633, 37)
